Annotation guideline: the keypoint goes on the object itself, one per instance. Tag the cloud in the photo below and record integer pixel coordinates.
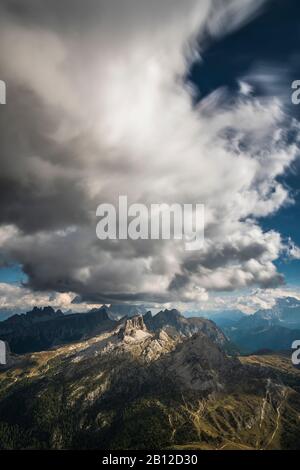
(292, 250)
(263, 299)
(98, 106)
(248, 301)
(18, 299)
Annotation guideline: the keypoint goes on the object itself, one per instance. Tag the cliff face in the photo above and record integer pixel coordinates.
(134, 329)
(43, 329)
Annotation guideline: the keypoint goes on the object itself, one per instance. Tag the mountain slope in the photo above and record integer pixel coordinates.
(42, 329)
(135, 389)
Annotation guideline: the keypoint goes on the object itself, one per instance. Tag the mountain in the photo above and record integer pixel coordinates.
(274, 328)
(132, 388)
(36, 315)
(176, 324)
(6, 313)
(42, 329)
(222, 318)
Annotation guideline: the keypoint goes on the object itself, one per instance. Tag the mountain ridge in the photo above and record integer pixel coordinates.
(25, 333)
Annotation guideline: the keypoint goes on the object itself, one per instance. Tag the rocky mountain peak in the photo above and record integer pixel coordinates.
(170, 314)
(134, 328)
(135, 323)
(45, 313)
(37, 314)
(175, 324)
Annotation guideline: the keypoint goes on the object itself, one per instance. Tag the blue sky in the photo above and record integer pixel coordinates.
(12, 274)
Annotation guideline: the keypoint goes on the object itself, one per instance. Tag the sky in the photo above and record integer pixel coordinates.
(163, 101)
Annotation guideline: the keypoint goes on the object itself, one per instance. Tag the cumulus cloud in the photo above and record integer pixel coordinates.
(98, 106)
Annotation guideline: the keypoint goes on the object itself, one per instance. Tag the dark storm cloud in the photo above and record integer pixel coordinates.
(224, 254)
(39, 187)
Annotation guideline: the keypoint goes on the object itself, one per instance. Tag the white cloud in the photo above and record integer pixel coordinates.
(292, 250)
(245, 88)
(248, 301)
(18, 299)
(111, 114)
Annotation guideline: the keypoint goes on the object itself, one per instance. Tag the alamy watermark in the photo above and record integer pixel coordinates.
(3, 353)
(296, 353)
(154, 222)
(296, 92)
(2, 92)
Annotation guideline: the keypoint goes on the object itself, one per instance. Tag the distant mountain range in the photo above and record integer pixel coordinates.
(273, 329)
(222, 318)
(269, 329)
(285, 313)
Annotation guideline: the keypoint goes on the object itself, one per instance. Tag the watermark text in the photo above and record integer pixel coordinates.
(296, 93)
(154, 222)
(296, 353)
(2, 92)
(3, 355)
